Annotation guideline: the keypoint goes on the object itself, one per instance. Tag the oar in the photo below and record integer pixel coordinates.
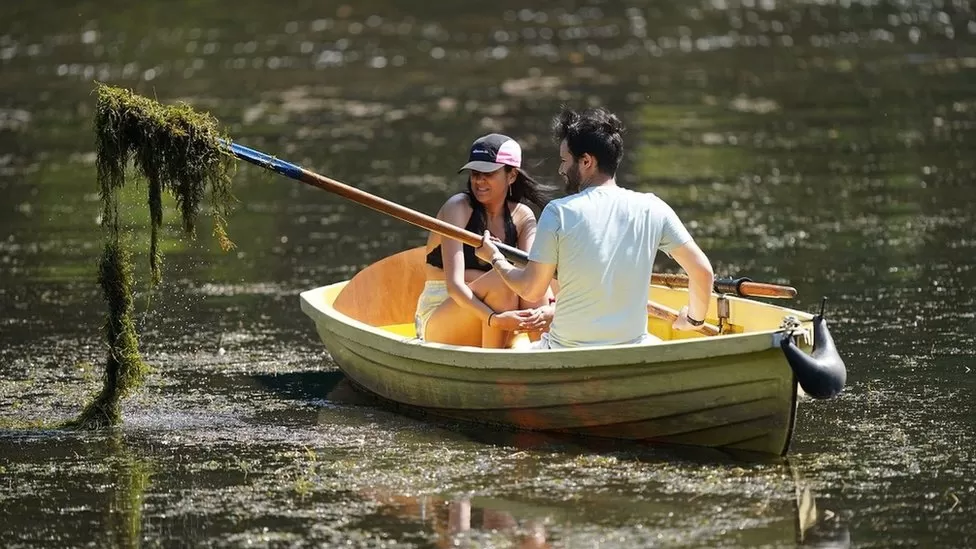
(740, 286)
(735, 286)
(669, 314)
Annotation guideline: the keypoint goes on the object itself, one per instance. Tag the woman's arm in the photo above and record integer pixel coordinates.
(457, 211)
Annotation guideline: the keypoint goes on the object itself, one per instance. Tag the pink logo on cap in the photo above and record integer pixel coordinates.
(510, 153)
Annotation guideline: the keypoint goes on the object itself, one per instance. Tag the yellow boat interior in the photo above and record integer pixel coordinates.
(384, 295)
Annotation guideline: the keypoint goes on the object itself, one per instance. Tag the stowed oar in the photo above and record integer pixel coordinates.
(740, 286)
(669, 314)
(735, 286)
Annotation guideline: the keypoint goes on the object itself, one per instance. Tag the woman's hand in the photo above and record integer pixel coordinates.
(524, 320)
(510, 321)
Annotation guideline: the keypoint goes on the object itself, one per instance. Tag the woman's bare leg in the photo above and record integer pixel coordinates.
(454, 325)
(500, 298)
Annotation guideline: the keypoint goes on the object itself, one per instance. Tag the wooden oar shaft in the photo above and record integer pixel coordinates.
(382, 205)
(445, 229)
(398, 211)
(669, 314)
(737, 286)
(763, 289)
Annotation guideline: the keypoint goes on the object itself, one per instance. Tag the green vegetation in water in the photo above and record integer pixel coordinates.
(174, 149)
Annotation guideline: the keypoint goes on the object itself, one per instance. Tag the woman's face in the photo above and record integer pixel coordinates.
(491, 187)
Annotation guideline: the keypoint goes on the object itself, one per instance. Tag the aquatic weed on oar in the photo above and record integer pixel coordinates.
(174, 149)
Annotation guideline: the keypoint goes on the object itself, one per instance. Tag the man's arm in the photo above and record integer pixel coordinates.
(700, 277)
(530, 282)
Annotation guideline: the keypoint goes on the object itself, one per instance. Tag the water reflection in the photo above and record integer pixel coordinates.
(132, 479)
(460, 523)
(101, 488)
(473, 521)
(661, 493)
(816, 527)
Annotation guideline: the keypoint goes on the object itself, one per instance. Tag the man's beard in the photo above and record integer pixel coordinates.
(574, 180)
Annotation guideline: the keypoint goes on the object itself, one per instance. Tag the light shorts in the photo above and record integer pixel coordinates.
(435, 293)
(545, 343)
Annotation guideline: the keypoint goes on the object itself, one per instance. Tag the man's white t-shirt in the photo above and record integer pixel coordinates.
(603, 241)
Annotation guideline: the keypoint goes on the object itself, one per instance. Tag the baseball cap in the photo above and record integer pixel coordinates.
(492, 151)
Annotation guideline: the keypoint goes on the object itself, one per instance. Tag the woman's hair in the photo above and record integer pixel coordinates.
(529, 190)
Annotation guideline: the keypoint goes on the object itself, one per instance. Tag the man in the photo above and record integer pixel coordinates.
(602, 240)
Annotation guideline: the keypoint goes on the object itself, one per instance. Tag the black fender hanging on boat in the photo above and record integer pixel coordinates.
(822, 373)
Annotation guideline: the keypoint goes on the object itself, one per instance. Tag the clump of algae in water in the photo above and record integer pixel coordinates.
(174, 149)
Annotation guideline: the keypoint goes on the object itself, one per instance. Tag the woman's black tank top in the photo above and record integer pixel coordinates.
(476, 224)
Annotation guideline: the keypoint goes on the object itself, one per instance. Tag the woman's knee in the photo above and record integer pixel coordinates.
(491, 289)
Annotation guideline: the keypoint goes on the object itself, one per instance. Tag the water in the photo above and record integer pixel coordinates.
(827, 145)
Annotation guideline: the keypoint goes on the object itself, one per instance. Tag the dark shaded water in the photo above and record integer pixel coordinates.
(827, 144)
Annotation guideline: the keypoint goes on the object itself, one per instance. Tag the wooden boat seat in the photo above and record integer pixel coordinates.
(399, 279)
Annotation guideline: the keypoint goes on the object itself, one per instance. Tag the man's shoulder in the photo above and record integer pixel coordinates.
(583, 200)
(557, 205)
(640, 195)
(629, 196)
(648, 199)
(582, 197)
(561, 202)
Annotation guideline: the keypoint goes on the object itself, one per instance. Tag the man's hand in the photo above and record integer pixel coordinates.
(681, 323)
(487, 251)
(536, 320)
(515, 321)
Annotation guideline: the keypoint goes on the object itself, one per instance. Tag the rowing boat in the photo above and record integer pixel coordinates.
(736, 390)
(731, 390)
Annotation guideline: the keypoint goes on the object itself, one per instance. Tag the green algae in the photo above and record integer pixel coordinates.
(175, 150)
(124, 368)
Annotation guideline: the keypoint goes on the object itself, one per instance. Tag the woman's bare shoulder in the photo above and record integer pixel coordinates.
(521, 212)
(457, 202)
(457, 209)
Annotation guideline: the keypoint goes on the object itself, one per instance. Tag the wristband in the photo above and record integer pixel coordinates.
(489, 319)
(695, 322)
(496, 259)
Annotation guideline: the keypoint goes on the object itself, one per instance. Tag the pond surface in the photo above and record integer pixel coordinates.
(823, 144)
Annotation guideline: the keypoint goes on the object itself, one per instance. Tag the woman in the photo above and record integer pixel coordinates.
(464, 302)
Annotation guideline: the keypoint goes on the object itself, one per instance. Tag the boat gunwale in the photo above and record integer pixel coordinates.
(314, 305)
